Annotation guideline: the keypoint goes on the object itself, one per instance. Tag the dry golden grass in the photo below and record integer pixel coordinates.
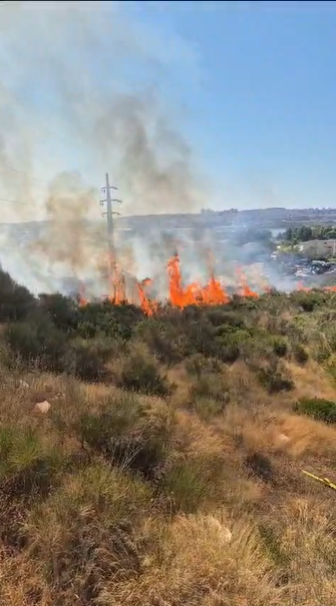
(21, 582)
(194, 563)
(312, 380)
(226, 518)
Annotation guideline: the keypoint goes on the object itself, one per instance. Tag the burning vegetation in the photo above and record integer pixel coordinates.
(123, 289)
(179, 294)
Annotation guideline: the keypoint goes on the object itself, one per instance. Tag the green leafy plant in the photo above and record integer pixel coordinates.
(317, 408)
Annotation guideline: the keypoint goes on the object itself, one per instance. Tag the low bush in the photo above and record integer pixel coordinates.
(16, 301)
(28, 470)
(164, 339)
(198, 364)
(128, 433)
(118, 416)
(275, 378)
(222, 342)
(84, 533)
(280, 347)
(24, 456)
(118, 321)
(317, 408)
(260, 466)
(207, 407)
(274, 547)
(63, 311)
(209, 386)
(190, 484)
(208, 395)
(86, 360)
(219, 316)
(301, 355)
(140, 372)
(36, 341)
(309, 301)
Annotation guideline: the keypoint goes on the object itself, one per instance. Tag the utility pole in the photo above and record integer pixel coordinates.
(112, 261)
(109, 216)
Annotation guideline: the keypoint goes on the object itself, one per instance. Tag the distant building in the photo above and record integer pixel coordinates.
(319, 248)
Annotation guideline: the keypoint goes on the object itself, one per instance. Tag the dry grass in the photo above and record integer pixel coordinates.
(225, 516)
(312, 380)
(22, 582)
(194, 561)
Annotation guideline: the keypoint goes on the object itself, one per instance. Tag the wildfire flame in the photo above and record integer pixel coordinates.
(212, 293)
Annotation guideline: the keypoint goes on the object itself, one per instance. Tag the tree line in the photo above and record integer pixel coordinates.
(306, 233)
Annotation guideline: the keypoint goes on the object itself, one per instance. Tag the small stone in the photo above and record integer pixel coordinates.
(283, 438)
(224, 532)
(42, 406)
(23, 384)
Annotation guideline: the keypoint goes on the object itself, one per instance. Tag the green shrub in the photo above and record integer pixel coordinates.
(105, 318)
(308, 301)
(37, 341)
(175, 334)
(232, 345)
(126, 433)
(209, 386)
(219, 342)
(330, 333)
(167, 340)
(274, 378)
(208, 395)
(27, 470)
(300, 354)
(219, 316)
(274, 548)
(198, 364)
(280, 347)
(317, 408)
(207, 407)
(186, 487)
(142, 373)
(23, 452)
(84, 533)
(16, 302)
(86, 360)
(63, 311)
(191, 483)
(260, 466)
(322, 351)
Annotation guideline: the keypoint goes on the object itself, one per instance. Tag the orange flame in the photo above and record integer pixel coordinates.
(193, 294)
(81, 296)
(148, 306)
(213, 293)
(245, 290)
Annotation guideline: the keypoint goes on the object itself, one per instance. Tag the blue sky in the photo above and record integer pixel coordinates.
(250, 85)
(263, 106)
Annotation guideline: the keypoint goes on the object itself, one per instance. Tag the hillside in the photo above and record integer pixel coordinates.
(165, 468)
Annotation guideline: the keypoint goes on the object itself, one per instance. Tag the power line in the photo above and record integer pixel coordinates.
(16, 202)
(15, 170)
(20, 172)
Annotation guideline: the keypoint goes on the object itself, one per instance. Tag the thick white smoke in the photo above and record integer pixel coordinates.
(71, 108)
(85, 89)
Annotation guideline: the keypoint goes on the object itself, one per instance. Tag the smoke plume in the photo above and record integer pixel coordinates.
(85, 91)
(71, 109)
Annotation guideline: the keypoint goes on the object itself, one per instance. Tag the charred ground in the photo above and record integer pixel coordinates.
(168, 468)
